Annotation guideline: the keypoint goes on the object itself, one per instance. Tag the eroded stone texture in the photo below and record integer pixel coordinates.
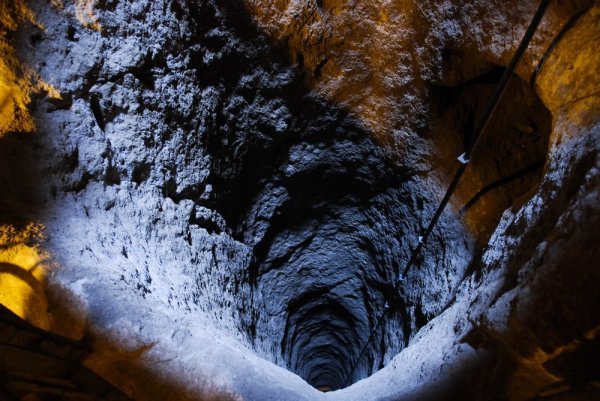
(228, 186)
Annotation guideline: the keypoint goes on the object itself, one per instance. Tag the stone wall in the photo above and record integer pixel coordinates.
(228, 189)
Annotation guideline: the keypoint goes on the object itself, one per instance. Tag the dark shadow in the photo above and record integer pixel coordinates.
(291, 174)
(20, 180)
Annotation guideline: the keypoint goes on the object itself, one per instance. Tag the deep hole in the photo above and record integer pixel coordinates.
(332, 230)
(331, 219)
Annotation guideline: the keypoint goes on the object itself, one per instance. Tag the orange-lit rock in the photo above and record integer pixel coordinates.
(379, 58)
(14, 93)
(23, 270)
(17, 81)
(567, 81)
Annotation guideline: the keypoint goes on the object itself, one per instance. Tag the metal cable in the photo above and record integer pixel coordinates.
(554, 44)
(464, 160)
(489, 110)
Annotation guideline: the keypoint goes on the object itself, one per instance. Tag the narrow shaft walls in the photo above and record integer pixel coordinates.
(329, 217)
(199, 175)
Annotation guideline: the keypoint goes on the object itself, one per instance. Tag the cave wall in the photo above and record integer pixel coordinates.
(221, 185)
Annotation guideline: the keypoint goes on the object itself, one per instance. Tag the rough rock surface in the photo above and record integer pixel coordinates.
(218, 191)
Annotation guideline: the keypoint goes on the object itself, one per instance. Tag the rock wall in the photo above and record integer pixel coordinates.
(228, 189)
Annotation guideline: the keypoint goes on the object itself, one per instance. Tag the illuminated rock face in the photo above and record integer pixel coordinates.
(232, 188)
